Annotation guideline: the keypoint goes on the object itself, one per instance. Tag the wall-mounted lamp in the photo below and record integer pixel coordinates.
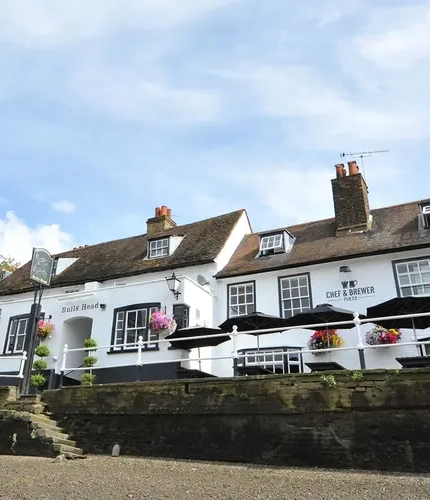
(344, 269)
(173, 283)
(50, 316)
(102, 306)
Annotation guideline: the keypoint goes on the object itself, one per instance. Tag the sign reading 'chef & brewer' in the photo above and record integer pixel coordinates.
(79, 307)
(351, 291)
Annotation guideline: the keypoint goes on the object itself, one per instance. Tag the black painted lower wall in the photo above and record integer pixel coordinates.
(162, 371)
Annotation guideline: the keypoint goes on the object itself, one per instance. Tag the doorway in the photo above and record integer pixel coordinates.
(75, 331)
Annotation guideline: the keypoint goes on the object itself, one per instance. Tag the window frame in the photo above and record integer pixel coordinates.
(185, 308)
(425, 217)
(155, 240)
(289, 276)
(399, 287)
(18, 317)
(272, 250)
(120, 348)
(268, 350)
(254, 296)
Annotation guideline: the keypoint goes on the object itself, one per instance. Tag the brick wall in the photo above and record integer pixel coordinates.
(381, 421)
(351, 203)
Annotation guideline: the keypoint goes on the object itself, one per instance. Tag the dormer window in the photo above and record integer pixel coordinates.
(425, 215)
(275, 243)
(158, 248)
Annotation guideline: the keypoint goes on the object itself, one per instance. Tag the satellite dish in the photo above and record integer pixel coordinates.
(202, 281)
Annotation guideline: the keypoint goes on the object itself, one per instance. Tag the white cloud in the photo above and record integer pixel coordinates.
(51, 22)
(326, 115)
(63, 206)
(17, 239)
(130, 96)
(400, 38)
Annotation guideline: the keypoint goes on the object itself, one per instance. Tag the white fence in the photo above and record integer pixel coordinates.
(17, 362)
(360, 346)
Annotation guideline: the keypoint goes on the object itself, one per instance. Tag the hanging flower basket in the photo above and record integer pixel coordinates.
(324, 339)
(44, 329)
(380, 335)
(161, 323)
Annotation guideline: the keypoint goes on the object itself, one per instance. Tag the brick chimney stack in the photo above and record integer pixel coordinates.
(351, 201)
(160, 222)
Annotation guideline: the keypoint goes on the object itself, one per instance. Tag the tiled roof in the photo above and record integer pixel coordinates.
(394, 229)
(119, 258)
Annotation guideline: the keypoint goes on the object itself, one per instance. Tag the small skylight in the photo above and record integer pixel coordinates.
(275, 243)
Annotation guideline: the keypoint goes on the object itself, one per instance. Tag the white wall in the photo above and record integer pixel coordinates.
(72, 312)
(376, 272)
(65, 309)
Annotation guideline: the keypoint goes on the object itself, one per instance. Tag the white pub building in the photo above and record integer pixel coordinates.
(107, 291)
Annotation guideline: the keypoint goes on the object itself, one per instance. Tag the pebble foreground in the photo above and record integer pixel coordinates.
(102, 478)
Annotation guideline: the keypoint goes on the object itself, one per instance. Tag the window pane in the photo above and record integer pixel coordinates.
(131, 336)
(131, 319)
(404, 280)
(303, 280)
(402, 268)
(413, 267)
(141, 318)
(425, 265)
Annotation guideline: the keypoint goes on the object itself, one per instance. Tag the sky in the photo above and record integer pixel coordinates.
(110, 108)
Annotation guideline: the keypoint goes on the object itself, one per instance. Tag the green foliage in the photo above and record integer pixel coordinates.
(357, 375)
(38, 380)
(90, 361)
(8, 264)
(42, 351)
(90, 344)
(88, 379)
(328, 380)
(40, 364)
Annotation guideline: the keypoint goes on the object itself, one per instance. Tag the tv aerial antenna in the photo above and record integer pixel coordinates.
(362, 155)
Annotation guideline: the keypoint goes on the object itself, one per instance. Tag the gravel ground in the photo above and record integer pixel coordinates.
(102, 478)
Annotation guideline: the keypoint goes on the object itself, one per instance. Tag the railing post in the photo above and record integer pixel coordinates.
(63, 365)
(357, 323)
(53, 374)
(139, 358)
(234, 355)
(22, 364)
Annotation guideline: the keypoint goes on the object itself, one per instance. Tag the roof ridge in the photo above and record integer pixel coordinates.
(142, 235)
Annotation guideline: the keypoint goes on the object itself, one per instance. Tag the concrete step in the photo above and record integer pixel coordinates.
(62, 448)
(49, 427)
(36, 408)
(36, 398)
(57, 437)
(43, 419)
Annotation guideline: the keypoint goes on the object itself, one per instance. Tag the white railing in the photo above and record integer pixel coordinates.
(360, 347)
(22, 359)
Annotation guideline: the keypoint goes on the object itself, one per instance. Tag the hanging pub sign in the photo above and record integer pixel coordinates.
(42, 263)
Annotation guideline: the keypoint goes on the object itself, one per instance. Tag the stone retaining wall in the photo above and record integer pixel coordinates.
(336, 419)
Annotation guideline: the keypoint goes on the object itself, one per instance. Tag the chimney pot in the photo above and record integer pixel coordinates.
(340, 170)
(353, 168)
(161, 222)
